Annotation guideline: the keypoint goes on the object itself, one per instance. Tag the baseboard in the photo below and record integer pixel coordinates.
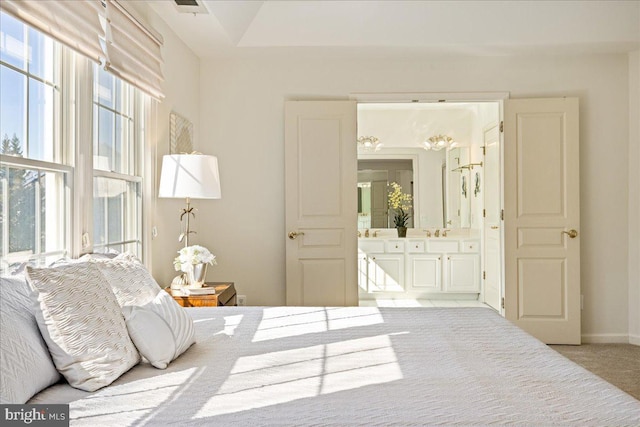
(634, 339)
(605, 339)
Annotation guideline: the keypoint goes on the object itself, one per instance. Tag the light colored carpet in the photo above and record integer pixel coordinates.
(618, 364)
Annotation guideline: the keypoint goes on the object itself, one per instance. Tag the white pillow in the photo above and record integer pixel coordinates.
(172, 315)
(130, 281)
(25, 363)
(151, 335)
(82, 324)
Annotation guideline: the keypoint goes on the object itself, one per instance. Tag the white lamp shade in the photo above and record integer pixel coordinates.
(190, 175)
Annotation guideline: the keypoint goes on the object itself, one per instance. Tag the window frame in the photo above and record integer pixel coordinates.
(137, 116)
(73, 122)
(59, 163)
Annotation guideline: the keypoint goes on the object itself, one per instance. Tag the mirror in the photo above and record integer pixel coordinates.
(374, 177)
(440, 187)
(446, 182)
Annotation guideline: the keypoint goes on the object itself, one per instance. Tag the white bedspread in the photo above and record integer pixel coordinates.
(355, 366)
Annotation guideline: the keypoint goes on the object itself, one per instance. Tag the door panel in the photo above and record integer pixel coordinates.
(321, 203)
(542, 264)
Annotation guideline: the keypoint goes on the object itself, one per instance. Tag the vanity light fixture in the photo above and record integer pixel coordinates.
(438, 142)
(189, 176)
(369, 143)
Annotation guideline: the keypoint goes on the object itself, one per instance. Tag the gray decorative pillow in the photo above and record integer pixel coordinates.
(82, 324)
(25, 363)
(129, 279)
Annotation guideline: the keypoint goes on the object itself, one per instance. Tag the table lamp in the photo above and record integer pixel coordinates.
(189, 176)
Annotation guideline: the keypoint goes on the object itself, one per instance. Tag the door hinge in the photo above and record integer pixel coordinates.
(502, 302)
(484, 275)
(484, 213)
(501, 126)
(484, 151)
(502, 214)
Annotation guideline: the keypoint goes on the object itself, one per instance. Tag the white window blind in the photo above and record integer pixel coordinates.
(102, 30)
(133, 51)
(76, 23)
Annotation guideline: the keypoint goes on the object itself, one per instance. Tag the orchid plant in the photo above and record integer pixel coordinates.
(400, 203)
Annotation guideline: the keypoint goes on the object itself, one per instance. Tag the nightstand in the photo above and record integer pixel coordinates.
(225, 295)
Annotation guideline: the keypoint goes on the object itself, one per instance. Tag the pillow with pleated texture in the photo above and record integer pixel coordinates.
(25, 363)
(82, 323)
(129, 279)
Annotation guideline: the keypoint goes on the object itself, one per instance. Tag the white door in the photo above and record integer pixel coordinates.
(492, 265)
(542, 218)
(321, 203)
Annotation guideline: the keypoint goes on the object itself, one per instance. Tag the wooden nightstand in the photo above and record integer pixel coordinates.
(225, 295)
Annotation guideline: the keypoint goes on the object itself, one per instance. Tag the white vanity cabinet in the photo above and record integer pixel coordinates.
(418, 267)
(381, 266)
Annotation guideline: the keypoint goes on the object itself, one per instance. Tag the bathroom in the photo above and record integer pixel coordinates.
(435, 169)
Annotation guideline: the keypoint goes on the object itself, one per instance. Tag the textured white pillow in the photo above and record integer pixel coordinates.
(130, 281)
(82, 324)
(151, 335)
(25, 363)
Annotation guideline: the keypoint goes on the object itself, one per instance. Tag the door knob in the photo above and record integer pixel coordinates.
(571, 233)
(293, 234)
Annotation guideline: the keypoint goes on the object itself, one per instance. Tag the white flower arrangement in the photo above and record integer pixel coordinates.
(193, 255)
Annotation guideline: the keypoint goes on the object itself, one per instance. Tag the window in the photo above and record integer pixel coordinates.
(59, 181)
(33, 176)
(116, 154)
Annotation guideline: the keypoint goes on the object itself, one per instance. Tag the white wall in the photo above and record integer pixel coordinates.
(634, 198)
(241, 112)
(181, 71)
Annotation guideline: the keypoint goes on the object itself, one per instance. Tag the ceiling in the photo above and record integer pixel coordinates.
(406, 29)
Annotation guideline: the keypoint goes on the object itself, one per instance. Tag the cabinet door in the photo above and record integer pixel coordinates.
(386, 273)
(363, 261)
(463, 273)
(424, 272)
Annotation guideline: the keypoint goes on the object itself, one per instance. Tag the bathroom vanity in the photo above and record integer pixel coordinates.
(419, 267)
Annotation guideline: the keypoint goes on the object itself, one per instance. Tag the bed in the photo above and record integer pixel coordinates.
(354, 366)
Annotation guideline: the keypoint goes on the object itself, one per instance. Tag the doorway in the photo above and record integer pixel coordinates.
(442, 261)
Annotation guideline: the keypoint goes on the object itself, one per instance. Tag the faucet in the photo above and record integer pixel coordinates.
(359, 233)
(444, 233)
(428, 233)
(375, 233)
(437, 233)
(366, 233)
